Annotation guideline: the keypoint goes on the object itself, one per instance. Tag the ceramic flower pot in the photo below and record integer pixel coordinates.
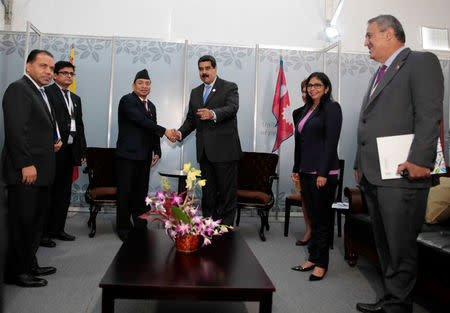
(187, 243)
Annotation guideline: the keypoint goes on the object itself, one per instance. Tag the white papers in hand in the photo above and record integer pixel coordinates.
(340, 205)
(393, 151)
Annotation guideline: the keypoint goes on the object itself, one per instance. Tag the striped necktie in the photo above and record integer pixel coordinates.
(205, 96)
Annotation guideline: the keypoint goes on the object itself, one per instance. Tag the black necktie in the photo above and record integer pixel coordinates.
(146, 107)
(71, 113)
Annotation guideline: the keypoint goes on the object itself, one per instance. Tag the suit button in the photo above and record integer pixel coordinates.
(364, 121)
(363, 143)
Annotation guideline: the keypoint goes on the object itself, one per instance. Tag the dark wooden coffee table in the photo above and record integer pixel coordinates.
(147, 266)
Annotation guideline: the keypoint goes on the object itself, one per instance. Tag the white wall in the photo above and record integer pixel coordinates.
(288, 23)
(411, 13)
(296, 23)
(281, 22)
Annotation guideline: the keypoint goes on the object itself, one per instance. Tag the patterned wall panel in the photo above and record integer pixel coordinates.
(165, 62)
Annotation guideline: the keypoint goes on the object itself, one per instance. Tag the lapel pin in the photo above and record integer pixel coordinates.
(214, 90)
(397, 67)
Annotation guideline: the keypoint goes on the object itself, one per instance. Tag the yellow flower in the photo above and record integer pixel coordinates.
(191, 176)
(188, 183)
(187, 166)
(202, 182)
(196, 172)
(190, 179)
(165, 183)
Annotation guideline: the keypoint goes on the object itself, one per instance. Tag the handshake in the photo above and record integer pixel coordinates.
(173, 135)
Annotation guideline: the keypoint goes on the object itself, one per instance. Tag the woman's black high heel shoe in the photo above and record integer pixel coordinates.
(300, 268)
(313, 277)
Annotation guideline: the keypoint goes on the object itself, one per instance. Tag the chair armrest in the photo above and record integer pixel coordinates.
(355, 200)
(90, 173)
(271, 179)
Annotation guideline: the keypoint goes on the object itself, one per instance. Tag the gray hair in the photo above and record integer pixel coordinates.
(386, 21)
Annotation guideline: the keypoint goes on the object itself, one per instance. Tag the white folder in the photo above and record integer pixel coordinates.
(394, 150)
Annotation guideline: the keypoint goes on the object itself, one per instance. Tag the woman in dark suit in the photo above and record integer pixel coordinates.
(295, 177)
(317, 164)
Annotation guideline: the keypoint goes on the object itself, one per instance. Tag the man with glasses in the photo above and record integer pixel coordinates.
(405, 96)
(68, 114)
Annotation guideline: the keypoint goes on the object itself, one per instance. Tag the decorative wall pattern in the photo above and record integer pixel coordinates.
(226, 56)
(293, 60)
(147, 51)
(85, 47)
(10, 43)
(165, 61)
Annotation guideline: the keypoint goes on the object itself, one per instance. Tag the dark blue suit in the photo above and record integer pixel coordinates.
(218, 147)
(316, 151)
(139, 138)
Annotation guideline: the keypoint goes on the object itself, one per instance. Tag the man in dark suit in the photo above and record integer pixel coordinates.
(404, 97)
(213, 107)
(3, 233)
(28, 157)
(69, 115)
(138, 149)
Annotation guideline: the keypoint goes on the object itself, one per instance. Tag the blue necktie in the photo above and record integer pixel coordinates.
(205, 96)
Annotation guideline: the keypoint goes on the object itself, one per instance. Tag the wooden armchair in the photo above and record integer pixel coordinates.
(102, 189)
(256, 172)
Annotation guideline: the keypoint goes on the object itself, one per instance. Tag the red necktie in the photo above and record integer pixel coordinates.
(146, 107)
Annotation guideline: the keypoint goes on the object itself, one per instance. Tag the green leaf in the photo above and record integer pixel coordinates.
(179, 215)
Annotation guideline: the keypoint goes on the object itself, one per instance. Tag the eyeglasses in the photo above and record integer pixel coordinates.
(67, 73)
(315, 86)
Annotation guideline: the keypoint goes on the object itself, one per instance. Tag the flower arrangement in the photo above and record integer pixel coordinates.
(180, 215)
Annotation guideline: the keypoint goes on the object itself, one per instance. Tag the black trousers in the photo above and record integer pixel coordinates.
(132, 189)
(219, 195)
(27, 208)
(397, 216)
(61, 192)
(320, 213)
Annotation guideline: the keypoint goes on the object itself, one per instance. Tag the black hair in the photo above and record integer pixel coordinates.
(207, 58)
(62, 64)
(34, 53)
(326, 83)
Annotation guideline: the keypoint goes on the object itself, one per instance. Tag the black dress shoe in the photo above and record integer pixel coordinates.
(27, 280)
(301, 243)
(43, 271)
(300, 268)
(313, 277)
(62, 235)
(47, 242)
(371, 307)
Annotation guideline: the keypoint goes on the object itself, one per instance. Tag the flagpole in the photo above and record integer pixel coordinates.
(111, 87)
(277, 187)
(255, 113)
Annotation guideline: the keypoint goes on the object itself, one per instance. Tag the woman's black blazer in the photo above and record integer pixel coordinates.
(316, 146)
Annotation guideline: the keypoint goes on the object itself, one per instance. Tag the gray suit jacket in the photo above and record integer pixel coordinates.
(218, 140)
(408, 99)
